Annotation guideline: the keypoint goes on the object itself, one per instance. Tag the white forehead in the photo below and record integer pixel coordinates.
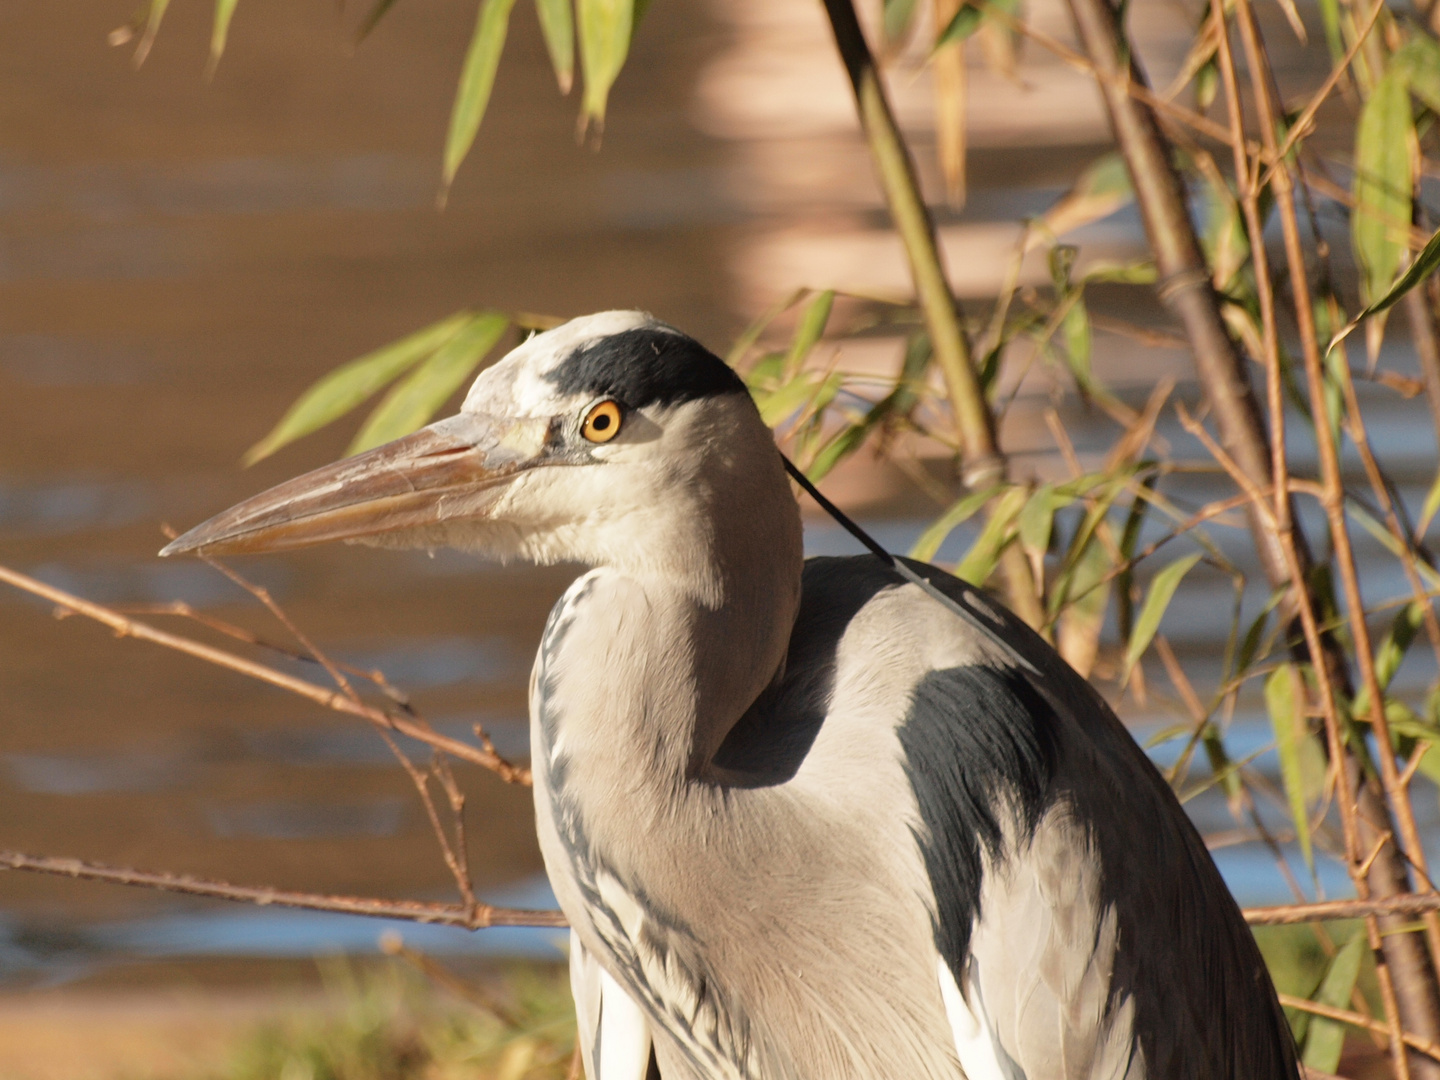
(517, 384)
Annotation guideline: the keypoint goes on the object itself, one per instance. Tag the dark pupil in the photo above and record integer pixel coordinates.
(602, 422)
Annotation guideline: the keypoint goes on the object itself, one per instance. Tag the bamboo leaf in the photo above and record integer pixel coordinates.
(371, 20)
(477, 78)
(1162, 591)
(812, 326)
(605, 27)
(1326, 1038)
(1419, 60)
(786, 399)
(413, 401)
(980, 561)
(1423, 266)
(1075, 331)
(1281, 702)
(1432, 504)
(557, 27)
(897, 19)
(966, 21)
(1330, 19)
(335, 394)
(961, 511)
(153, 15)
(1102, 189)
(219, 33)
(1382, 185)
(1082, 619)
(1036, 520)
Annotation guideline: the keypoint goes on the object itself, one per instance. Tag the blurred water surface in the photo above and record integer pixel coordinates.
(179, 259)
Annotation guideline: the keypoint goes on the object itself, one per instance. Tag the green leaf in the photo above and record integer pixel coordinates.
(219, 33)
(605, 27)
(1423, 266)
(477, 78)
(1162, 590)
(1326, 1038)
(1285, 720)
(557, 27)
(812, 326)
(1382, 185)
(966, 21)
(349, 384)
(411, 403)
(961, 511)
(1390, 653)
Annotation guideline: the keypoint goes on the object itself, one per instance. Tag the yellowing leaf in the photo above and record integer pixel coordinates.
(412, 402)
(1162, 591)
(557, 26)
(348, 385)
(605, 27)
(477, 78)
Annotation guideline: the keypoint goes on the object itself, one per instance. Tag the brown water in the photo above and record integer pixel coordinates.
(178, 260)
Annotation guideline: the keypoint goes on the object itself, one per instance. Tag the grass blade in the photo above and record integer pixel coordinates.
(557, 27)
(348, 385)
(411, 403)
(1162, 591)
(477, 77)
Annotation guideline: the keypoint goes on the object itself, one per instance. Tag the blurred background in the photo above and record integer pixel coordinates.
(179, 259)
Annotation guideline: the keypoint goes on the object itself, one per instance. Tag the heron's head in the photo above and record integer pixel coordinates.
(610, 438)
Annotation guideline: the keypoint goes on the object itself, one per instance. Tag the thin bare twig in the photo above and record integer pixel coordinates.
(330, 699)
(482, 915)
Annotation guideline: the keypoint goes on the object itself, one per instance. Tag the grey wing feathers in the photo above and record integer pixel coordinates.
(614, 1034)
(1133, 931)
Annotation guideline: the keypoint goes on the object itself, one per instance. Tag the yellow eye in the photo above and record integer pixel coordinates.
(602, 423)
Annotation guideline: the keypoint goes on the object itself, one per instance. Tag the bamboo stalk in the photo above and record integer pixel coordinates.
(981, 461)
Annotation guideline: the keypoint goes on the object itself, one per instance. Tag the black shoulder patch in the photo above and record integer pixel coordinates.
(646, 366)
(976, 739)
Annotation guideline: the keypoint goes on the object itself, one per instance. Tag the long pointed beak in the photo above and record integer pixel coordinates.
(448, 470)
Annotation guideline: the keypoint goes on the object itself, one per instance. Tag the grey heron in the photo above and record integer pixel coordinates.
(805, 822)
